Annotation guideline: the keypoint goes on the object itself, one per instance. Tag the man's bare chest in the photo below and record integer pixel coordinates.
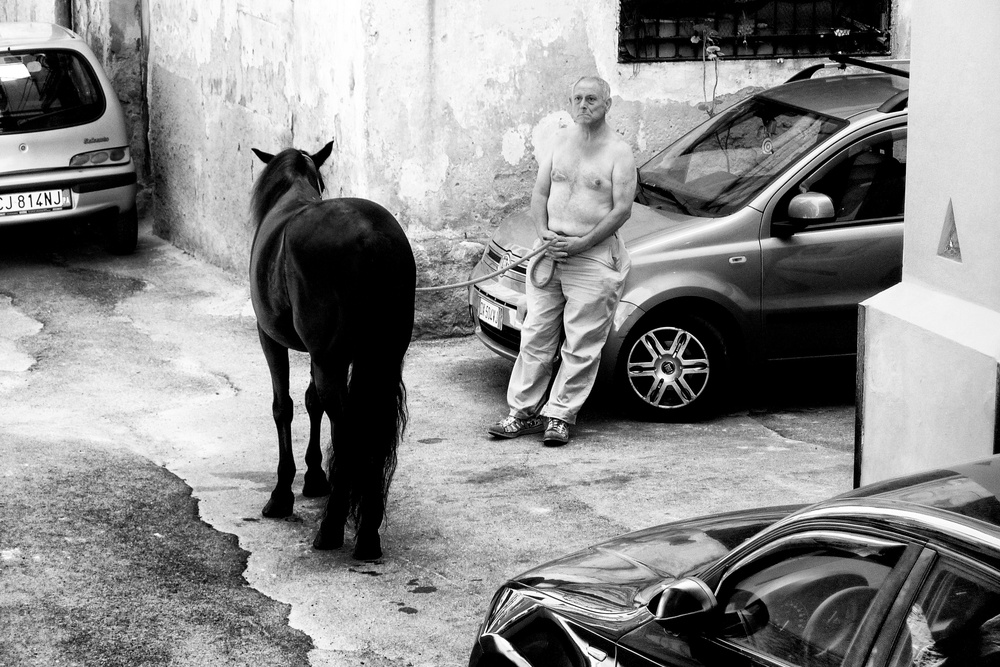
(575, 170)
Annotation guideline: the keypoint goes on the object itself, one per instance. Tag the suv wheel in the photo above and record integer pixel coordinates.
(674, 368)
(123, 232)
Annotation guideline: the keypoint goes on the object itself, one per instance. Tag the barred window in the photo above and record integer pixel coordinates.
(677, 30)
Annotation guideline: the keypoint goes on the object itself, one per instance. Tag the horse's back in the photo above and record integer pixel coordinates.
(351, 239)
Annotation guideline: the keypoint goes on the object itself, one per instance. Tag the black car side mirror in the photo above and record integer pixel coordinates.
(684, 601)
(804, 209)
(744, 621)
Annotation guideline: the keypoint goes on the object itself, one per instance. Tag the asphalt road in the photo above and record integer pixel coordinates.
(157, 353)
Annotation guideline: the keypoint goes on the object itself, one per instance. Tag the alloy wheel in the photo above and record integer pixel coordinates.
(668, 368)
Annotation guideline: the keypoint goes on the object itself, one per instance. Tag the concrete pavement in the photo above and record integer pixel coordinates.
(158, 352)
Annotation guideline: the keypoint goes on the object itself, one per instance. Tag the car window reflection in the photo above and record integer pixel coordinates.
(954, 622)
(805, 604)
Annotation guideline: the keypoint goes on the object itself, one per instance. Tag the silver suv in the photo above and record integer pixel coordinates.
(64, 151)
(753, 239)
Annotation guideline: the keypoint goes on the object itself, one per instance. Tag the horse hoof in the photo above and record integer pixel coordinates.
(368, 549)
(326, 540)
(315, 485)
(278, 508)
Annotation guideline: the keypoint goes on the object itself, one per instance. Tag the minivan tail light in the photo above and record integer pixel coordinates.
(113, 155)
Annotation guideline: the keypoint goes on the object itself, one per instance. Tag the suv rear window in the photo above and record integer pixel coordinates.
(46, 90)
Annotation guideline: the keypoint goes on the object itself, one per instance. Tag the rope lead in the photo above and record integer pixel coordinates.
(522, 260)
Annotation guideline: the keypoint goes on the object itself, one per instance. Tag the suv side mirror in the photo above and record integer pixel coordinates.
(805, 208)
(684, 601)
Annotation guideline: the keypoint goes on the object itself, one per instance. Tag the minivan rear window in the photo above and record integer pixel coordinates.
(47, 89)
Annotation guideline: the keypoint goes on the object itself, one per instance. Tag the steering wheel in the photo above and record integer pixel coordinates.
(832, 626)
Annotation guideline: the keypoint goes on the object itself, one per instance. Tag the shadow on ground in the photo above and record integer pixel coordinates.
(784, 386)
(41, 242)
(109, 564)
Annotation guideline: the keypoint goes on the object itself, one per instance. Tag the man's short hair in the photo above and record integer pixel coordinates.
(601, 83)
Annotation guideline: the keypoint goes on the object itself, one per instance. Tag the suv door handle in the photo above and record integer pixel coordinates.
(738, 260)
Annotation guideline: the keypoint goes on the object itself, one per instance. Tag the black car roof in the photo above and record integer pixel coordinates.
(841, 96)
(971, 490)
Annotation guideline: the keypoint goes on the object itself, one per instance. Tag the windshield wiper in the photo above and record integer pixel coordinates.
(684, 208)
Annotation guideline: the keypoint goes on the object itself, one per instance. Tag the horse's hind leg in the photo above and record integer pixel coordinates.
(316, 483)
(282, 499)
(330, 534)
(368, 543)
(331, 384)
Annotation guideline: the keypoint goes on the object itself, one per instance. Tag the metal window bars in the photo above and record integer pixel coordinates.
(679, 30)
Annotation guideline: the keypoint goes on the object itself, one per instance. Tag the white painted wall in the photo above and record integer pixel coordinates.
(932, 343)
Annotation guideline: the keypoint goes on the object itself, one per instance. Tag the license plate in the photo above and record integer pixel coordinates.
(18, 203)
(490, 313)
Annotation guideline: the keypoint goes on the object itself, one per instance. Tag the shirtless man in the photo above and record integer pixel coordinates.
(583, 194)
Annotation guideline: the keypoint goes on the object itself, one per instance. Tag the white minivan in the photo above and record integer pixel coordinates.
(64, 149)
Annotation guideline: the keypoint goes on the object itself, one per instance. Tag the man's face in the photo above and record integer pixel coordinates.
(587, 103)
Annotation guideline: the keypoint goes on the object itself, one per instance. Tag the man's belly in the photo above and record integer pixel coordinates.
(578, 214)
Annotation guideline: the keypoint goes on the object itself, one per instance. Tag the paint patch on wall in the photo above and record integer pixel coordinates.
(514, 144)
(545, 130)
(420, 176)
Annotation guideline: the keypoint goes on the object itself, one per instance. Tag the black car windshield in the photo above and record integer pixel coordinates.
(716, 170)
(47, 89)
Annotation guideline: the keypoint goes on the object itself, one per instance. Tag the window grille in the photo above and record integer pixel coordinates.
(677, 30)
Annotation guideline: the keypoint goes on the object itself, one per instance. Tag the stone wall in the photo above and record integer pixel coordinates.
(113, 29)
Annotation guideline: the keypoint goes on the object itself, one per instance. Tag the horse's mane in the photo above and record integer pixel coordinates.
(286, 169)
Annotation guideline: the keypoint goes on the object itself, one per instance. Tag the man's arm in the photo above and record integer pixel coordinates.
(623, 183)
(540, 196)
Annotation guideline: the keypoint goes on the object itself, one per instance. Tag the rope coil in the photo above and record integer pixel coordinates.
(531, 272)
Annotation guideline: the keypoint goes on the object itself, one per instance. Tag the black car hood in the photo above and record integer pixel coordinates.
(626, 572)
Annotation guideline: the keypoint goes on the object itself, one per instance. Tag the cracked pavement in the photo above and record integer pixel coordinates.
(157, 352)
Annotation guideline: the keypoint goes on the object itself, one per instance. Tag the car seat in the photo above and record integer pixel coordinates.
(875, 186)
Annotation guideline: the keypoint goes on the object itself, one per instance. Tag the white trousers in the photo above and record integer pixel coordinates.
(579, 302)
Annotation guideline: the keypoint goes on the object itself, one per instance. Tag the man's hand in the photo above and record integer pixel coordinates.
(563, 246)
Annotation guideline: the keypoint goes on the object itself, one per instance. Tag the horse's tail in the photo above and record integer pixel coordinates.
(376, 419)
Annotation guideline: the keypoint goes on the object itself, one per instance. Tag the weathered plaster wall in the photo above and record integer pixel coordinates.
(436, 108)
(113, 29)
(217, 85)
(28, 10)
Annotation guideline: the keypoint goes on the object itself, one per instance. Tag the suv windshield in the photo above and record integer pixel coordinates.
(47, 89)
(717, 170)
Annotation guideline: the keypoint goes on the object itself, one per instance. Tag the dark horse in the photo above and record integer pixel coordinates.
(334, 278)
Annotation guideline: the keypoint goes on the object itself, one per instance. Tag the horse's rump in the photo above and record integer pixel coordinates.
(350, 257)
